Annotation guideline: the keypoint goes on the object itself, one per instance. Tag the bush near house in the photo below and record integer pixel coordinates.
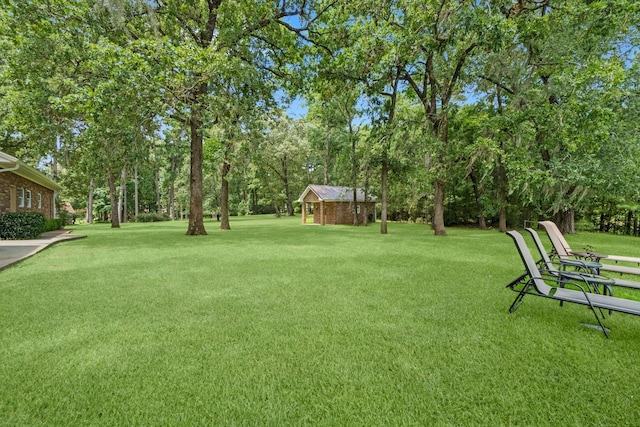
(21, 225)
(53, 224)
(66, 218)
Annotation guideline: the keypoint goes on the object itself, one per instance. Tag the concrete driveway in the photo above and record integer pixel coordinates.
(13, 251)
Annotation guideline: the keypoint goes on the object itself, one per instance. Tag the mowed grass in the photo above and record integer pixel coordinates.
(275, 323)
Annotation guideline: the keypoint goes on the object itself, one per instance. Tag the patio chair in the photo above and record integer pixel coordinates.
(562, 249)
(533, 282)
(593, 279)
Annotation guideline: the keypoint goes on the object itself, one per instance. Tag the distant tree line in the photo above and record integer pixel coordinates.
(490, 113)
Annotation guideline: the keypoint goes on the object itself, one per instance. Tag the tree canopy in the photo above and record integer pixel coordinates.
(488, 112)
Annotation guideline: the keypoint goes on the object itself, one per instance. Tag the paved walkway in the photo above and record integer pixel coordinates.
(13, 251)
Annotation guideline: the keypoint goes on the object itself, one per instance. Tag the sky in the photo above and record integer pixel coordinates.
(297, 109)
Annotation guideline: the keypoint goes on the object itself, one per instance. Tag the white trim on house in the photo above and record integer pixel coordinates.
(21, 197)
(11, 164)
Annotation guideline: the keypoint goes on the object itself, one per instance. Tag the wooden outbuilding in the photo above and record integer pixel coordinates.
(334, 205)
(25, 189)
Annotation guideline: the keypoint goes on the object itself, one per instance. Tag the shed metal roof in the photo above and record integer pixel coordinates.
(333, 193)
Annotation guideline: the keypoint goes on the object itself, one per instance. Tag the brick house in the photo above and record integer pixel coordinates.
(24, 189)
(334, 205)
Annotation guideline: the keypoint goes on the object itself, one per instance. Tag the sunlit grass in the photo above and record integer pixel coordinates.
(277, 323)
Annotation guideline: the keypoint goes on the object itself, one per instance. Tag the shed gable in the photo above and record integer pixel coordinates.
(334, 205)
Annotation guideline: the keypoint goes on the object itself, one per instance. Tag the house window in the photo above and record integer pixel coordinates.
(28, 198)
(21, 197)
(39, 200)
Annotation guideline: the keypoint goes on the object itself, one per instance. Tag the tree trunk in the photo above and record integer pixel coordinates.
(156, 179)
(115, 223)
(326, 154)
(502, 176)
(196, 221)
(502, 197)
(365, 214)
(224, 197)
(440, 128)
(476, 193)
(502, 220)
(383, 184)
(245, 193)
(122, 200)
(565, 220)
(92, 186)
(287, 190)
(172, 191)
(438, 208)
(355, 206)
(354, 175)
(136, 199)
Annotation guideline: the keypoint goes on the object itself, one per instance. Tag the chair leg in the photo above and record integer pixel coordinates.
(516, 302)
(607, 288)
(603, 328)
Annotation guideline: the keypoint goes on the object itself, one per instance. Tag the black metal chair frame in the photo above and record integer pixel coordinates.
(593, 281)
(533, 282)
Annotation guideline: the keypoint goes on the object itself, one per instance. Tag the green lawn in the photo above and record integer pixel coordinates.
(274, 323)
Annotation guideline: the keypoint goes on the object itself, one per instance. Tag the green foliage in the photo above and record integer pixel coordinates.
(243, 208)
(65, 217)
(553, 127)
(21, 225)
(54, 224)
(151, 217)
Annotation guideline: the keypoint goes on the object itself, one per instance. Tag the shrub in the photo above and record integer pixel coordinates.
(243, 208)
(21, 225)
(152, 217)
(67, 218)
(53, 224)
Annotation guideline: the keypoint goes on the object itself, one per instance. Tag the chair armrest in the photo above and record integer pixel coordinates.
(580, 264)
(573, 280)
(593, 256)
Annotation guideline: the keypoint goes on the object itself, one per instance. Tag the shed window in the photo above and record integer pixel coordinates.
(39, 200)
(28, 198)
(21, 197)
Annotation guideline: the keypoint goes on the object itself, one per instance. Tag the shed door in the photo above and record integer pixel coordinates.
(13, 200)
